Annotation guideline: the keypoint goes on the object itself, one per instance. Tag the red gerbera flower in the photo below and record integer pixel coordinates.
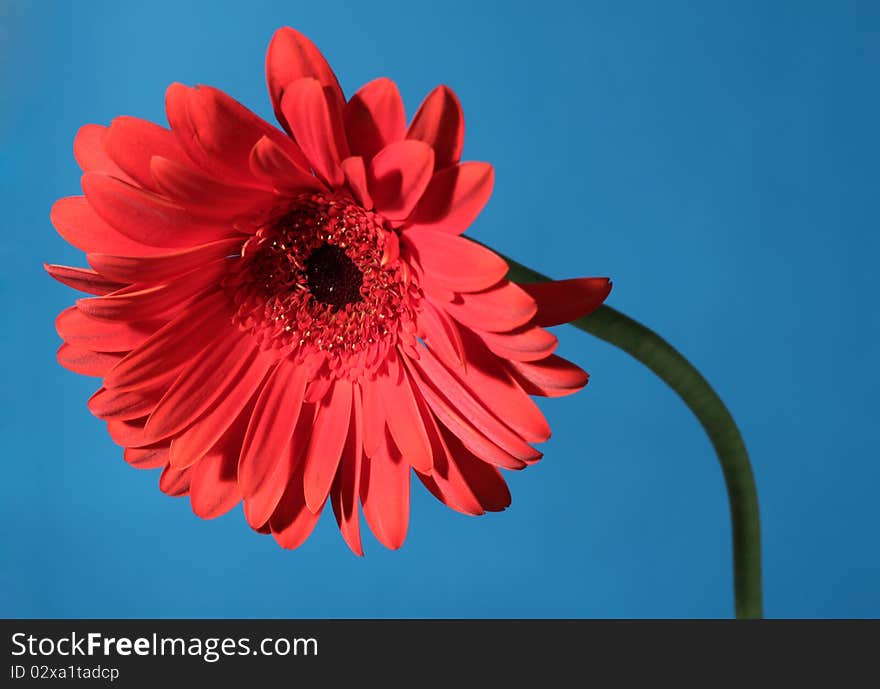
(285, 317)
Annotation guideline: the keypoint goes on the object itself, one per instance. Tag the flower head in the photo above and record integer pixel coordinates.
(287, 317)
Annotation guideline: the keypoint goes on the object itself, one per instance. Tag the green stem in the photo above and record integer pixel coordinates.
(663, 359)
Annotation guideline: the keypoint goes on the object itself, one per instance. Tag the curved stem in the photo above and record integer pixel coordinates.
(663, 359)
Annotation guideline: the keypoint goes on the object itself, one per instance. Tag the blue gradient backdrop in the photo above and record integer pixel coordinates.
(718, 160)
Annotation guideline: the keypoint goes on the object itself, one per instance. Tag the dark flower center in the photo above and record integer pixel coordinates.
(333, 278)
(321, 281)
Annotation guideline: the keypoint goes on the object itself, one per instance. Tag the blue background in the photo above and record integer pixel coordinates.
(718, 160)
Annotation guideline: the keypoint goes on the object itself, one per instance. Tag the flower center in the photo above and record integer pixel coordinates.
(321, 281)
(332, 277)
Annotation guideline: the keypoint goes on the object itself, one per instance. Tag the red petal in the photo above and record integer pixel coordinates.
(374, 418)
(346, 486)
(91, 153)
(398, 175)
(452, 418)
(528, 343)
(217, 132)
(199, 384)
(99, 335)
(214, 490)
(174, 482)
(132, 142)
(462, 401)
(501, 308)
(445, 481)
(204, 195)
(146, 217)
(483, 480)
(271, 427)
(151, 457)
(325, 448)
(391, 249)
(113, 404)
(441, 334)
(83, 279)
(404, 419)
(122, 407)
(316, 122)
(454, 198)
(172, 345)
(489, 383)
(550, 377)
(129, 433)
(455, 262)
(269, 163)
(441, 489)
(210, 429)
(435, 291)
(356, 179)
(318, 388)
(444, 496)
(161, 267)
(439, 122)
(288, 472)
(374, 118)
(85, 362)
(264, 529)
(384, 493)
(151, 302)
(563, 301)
(293, 522)
(292, 56)
(80, 225)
